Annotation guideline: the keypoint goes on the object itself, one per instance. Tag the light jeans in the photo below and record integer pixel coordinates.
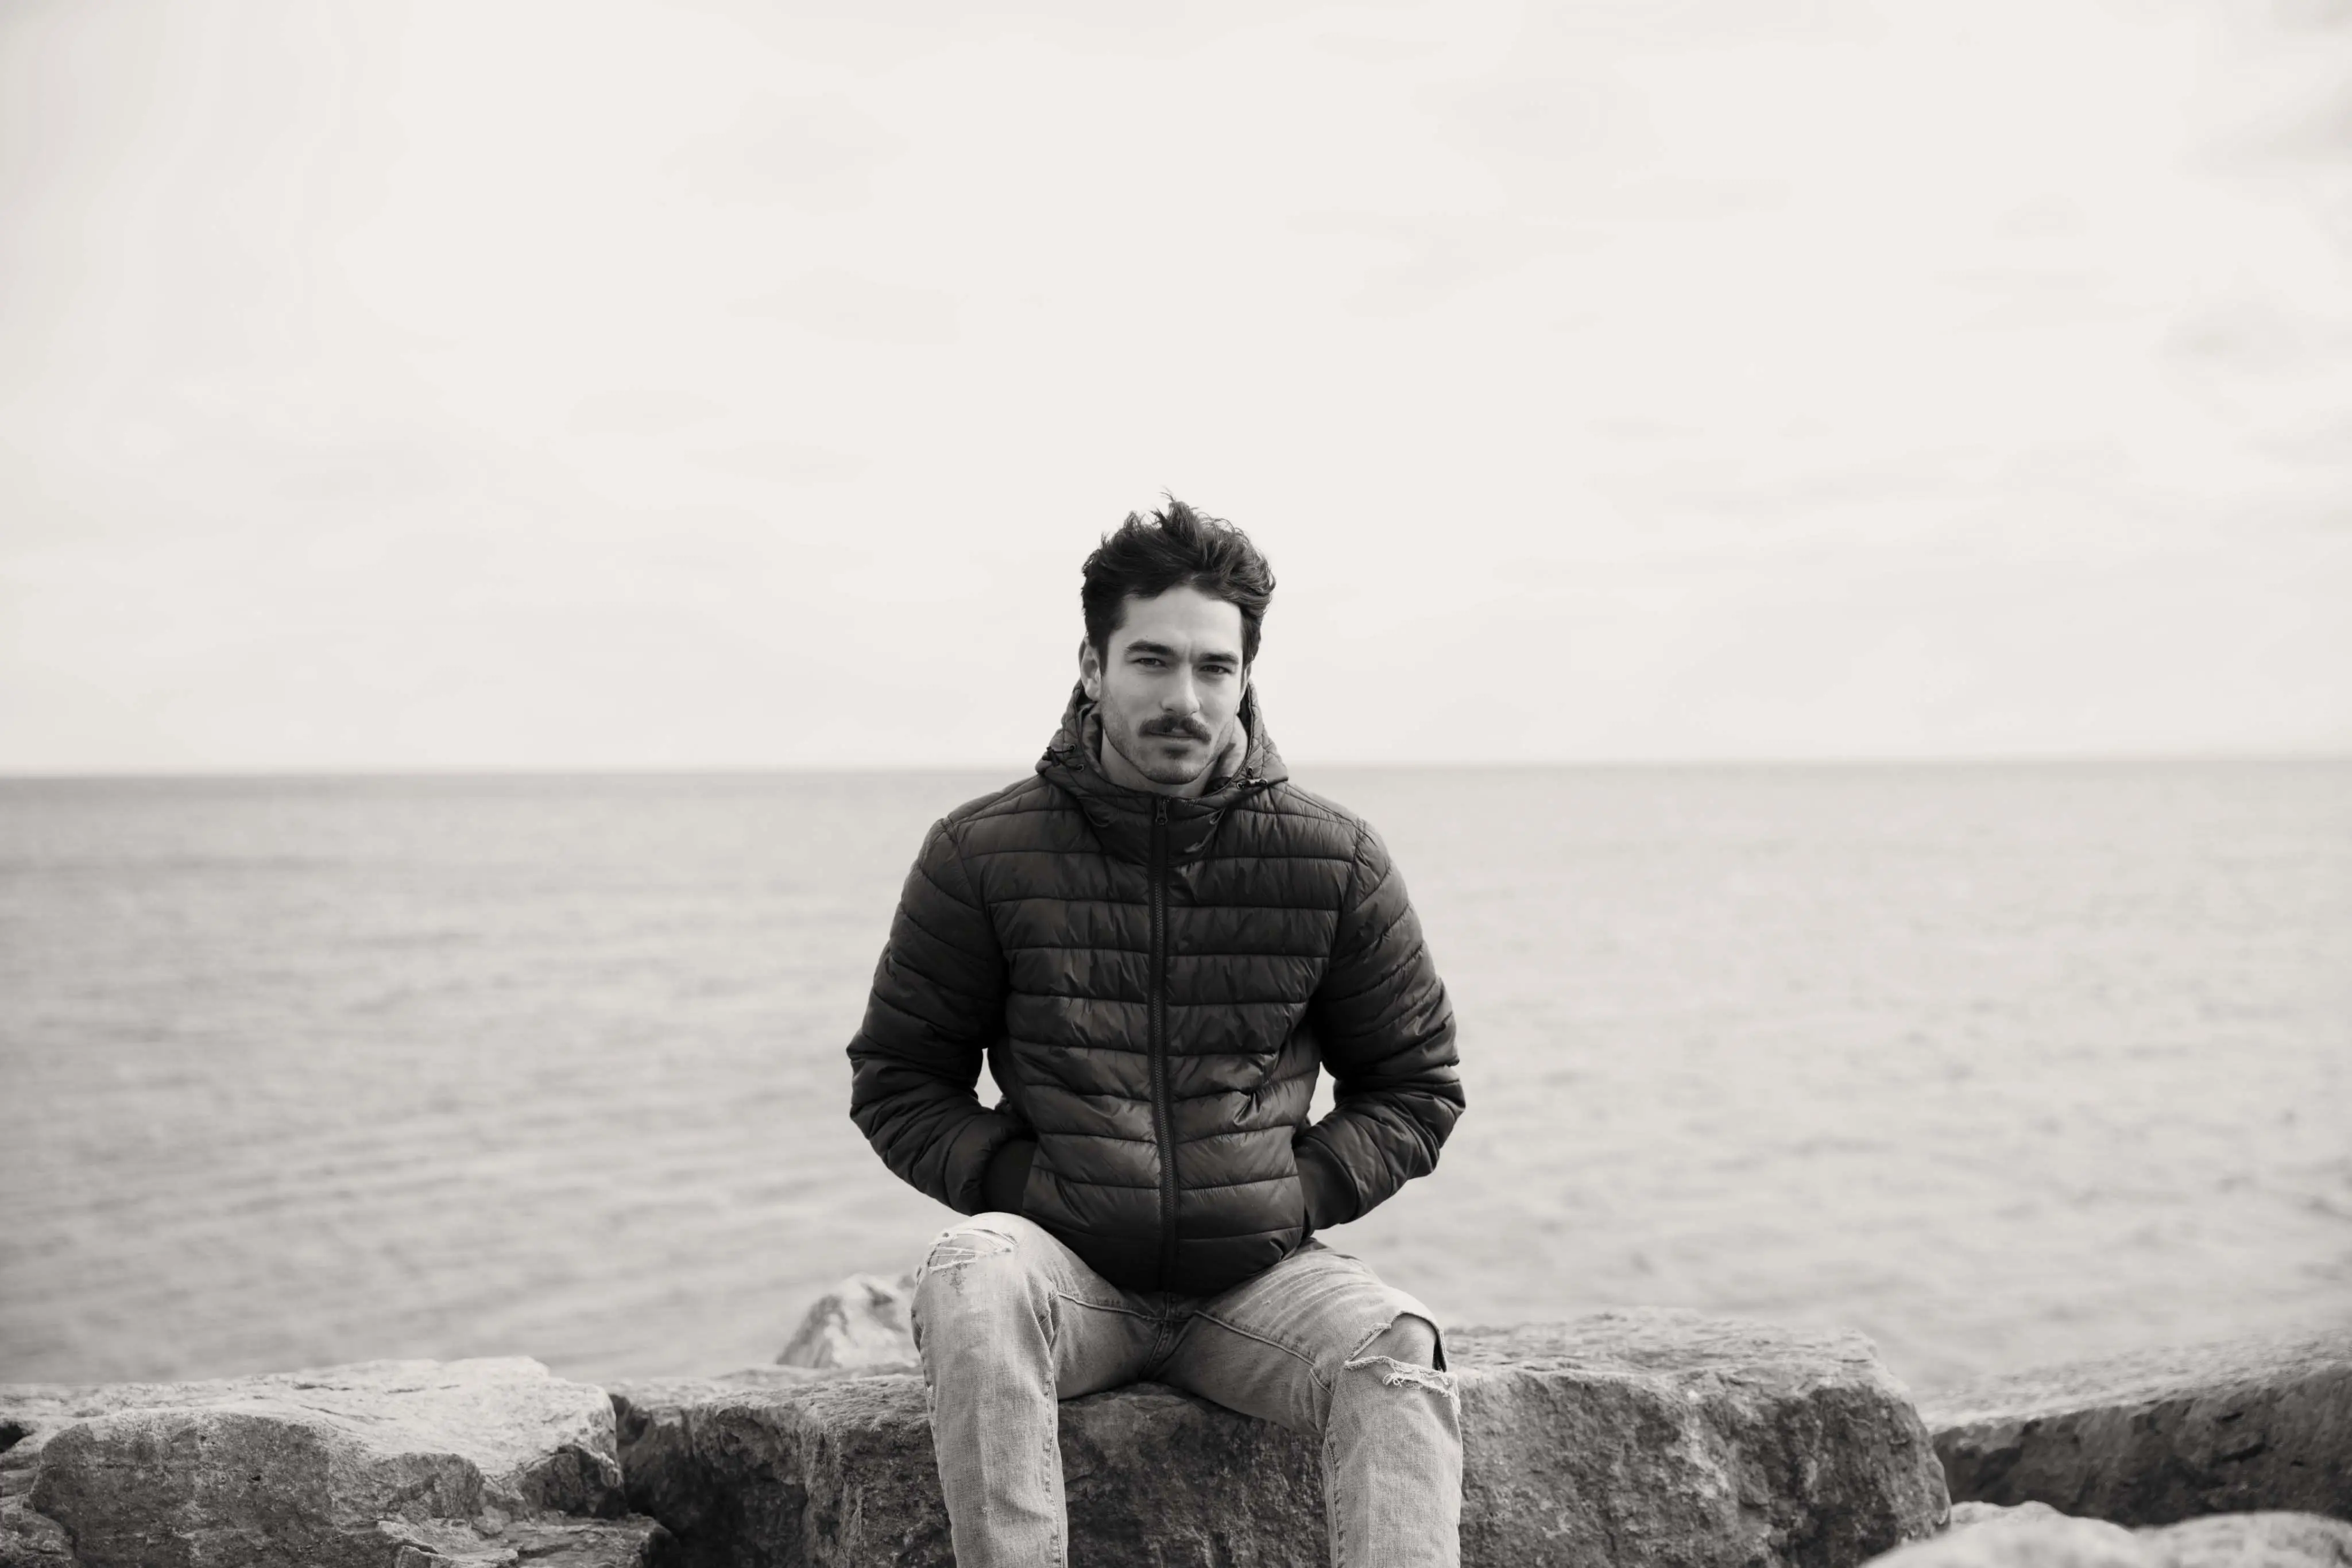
(1009, 1321)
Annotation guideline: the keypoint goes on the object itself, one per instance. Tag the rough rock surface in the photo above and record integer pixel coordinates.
(303, 1467)
(2160, 1436)
(839, 1469)
(1638, 1438)
(2033, 1535)
(539, 1543)
(862, 1322)
(2270, 1540)
(1668, 1438)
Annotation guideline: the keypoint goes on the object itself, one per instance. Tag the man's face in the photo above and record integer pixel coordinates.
(1170, 693)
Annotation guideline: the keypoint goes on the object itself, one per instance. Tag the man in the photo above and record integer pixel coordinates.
(1156, 940)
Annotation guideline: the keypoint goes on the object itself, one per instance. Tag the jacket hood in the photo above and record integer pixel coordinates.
(1122, 817)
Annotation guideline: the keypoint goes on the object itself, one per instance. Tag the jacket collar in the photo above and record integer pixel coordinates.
(1122, 817)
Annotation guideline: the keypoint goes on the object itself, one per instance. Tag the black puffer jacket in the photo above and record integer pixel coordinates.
(1153, 981)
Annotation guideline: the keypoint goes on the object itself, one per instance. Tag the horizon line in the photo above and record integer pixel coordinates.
(492, 771)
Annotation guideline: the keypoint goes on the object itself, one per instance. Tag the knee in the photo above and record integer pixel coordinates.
(973, 1283)
(1398, 1375)
(1410, 1340)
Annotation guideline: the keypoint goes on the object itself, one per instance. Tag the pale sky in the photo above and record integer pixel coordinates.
(548, 385)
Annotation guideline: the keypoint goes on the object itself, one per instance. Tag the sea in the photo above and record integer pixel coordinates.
(2002, 1065)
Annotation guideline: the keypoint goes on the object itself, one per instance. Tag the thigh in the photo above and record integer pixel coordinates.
(1273, 1345)
(992, 1264)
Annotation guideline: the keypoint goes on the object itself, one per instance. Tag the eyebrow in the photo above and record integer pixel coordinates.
(1165, 652)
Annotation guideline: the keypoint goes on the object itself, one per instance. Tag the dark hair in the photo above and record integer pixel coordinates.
(1174, 547)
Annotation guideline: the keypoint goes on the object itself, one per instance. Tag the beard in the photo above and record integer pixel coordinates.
(1142, 747)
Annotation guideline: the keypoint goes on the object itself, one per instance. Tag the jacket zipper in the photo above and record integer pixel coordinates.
(1162, 1115)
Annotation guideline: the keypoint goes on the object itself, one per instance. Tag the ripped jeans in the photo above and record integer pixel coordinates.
(1009, 1321)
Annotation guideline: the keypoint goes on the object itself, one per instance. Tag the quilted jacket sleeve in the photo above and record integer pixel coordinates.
(1386, 1031)
(938, 1001)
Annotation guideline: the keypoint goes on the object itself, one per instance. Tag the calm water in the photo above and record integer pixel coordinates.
(2001, 1065)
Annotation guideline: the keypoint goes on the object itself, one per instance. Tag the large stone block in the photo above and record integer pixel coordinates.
(760, 1470)
(1637, 1438)
(1663, 1438)
(2161, 1435)
(371, 1466)
(2034, 1536)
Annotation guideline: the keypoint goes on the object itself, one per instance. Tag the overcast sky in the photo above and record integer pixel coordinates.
(501, 384)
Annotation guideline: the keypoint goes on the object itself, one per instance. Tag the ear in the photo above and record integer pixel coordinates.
(1089, 670)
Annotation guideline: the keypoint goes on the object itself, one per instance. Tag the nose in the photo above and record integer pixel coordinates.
(1180, 698)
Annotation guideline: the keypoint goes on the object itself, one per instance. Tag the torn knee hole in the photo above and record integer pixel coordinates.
(957, 1247)
(945, 1257)
(1395, 1373)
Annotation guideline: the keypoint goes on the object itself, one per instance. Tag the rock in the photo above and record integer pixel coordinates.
(2269, 1540)
(750, 1468)
(1666, 1438)
(541, 1543)
(840, 1471)
(1637, 1438)
(2159, 1436)
(862, 1322)
(1964, 1515)
(2033, 1535)
(300, 1468)
(27, 1540)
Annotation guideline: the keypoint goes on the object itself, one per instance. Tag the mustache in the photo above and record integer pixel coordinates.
(1192, 728)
